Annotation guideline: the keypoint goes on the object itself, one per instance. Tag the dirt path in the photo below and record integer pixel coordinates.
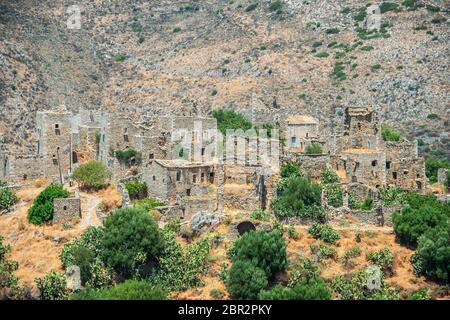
(89, 205)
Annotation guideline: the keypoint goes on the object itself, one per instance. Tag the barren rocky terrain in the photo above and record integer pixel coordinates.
(194, 56)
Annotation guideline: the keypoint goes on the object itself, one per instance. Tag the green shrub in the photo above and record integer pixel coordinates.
(136, 189)
(119, 57)
(332, 31)
(92, 175)
(389, 134)
(251, 7)
(432, 8)
(7, 197)
(216, 293)
(432, 164)
(304, 268)
(421, 214)
(42, 209)
(128, 290)
(323, 252)
(245, 280)
(267, 250)
(275, 6)
(322, 54)
(260, 214)
(366, 48)
(290, 169)
(324, 232)
(329, 176)
(181, 268)
(366, 205)
(8, 280)
(350, 253)
(410, 4)
(306, 289)
(130, 240)
(354, 286)
(421, 294)
(176, 30)
(338, 71)
(292, 232)
(230, 119)
(313, 148)
(128, 156)
(382, 258)
(148, 204)
(295, 195)
(391, 196)
(335, 195)
(433, 254)
(53, 286)
(388, 6)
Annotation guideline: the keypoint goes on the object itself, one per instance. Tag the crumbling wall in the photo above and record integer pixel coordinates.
(66, 210)
(365, 166)
(22, 167)
(442, 175)
(312, 165)
(408, 173)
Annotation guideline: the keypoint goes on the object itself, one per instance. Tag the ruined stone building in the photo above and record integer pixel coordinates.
(363, 161)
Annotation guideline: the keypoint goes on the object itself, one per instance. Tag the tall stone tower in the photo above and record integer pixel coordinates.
(54, 141)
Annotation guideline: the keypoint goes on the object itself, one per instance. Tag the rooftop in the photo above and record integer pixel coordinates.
(301, 119)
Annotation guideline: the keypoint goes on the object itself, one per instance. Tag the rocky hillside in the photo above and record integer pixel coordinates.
(267, 58)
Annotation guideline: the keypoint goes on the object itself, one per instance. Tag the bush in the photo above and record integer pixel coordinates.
(323, 252)
(230, 119)
(42, 209)
(324, 232)
(292, 233)
(260, 214)
(7, 197)
(382, 258)
(391, 196)
(128, 156)
(307, 289)
(53, 286)
(8, 280)
(128, 290)
(148, 204)
(130, 240)
(136, 189)
(432, 164)
(245, 280)
(349, 254)
(433, 254)
(289, 169)
(180, 268)
(388, 6)
(421, 214)
(275, 6)
(313, 148)
(92, 175)
(335, 195)
(421, 294)
(251, 7)
(294, 196)
(389, 134)
(266, 250)
(329, 176)
(303, 269)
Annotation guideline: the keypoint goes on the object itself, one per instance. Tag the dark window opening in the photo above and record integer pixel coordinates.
(154, 178)
(178, 175)
(374, 163)
(188, 192)
(203, 151)
(55, 160)
(405, 172)
(125, 138)
(419, 185)
(57, 129)
(418, 176)
(194, 178)
(74, 157)
(202, 177)
(388, 164)
(211, 177)
(394, 175)
(25, 177)
(65, 208)
(151, 156)
(91, 116)
(354, 179)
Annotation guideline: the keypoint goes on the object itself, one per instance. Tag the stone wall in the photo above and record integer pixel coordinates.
(365, 166)
(16, 168)
(442, 176)
(407, 173)
(310, 164)
(66, 210)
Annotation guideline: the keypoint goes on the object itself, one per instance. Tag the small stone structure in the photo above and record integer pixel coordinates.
(442, 175)
(66, 210)
(73, 278)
